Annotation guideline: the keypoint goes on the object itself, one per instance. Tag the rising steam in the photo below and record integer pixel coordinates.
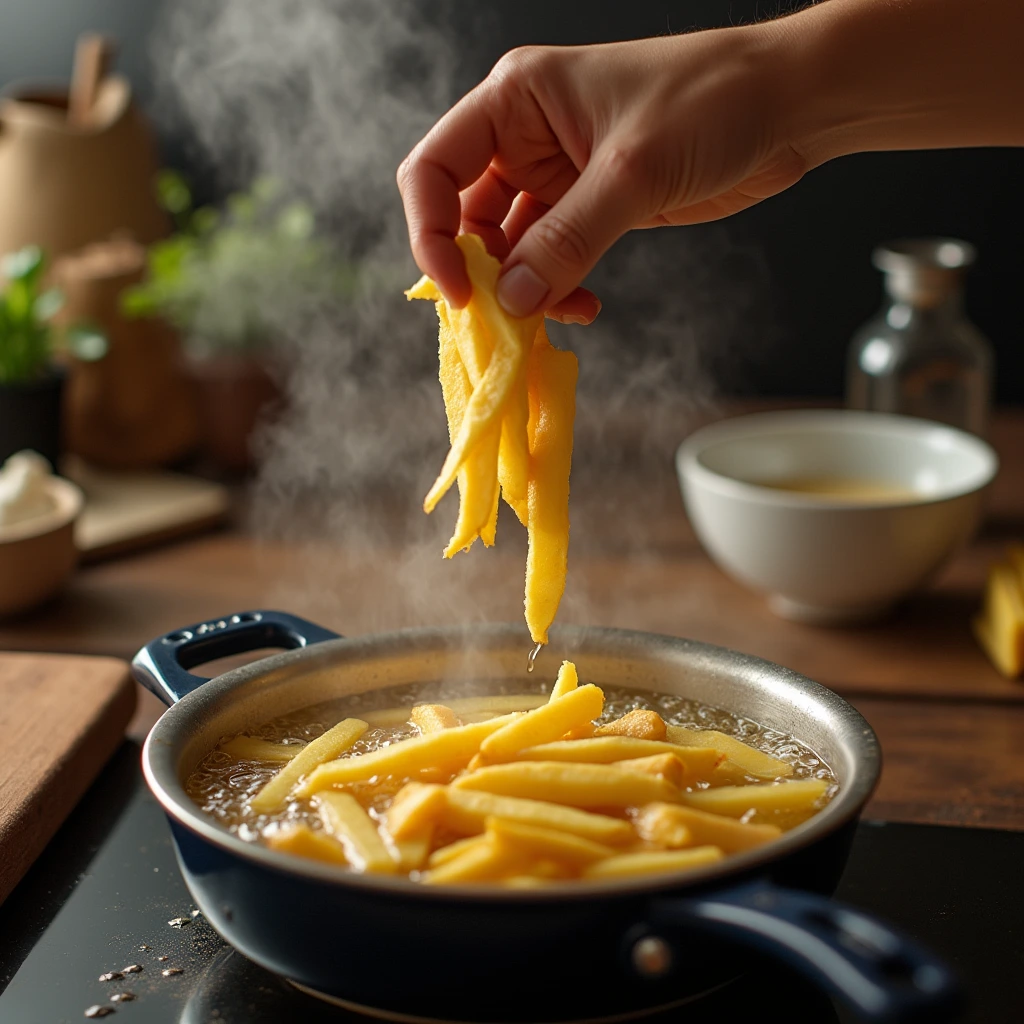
(328, 96)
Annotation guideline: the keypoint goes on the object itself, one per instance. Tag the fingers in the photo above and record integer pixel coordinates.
(578, 307)
(560, 247)
(485, 205)
(454, 154)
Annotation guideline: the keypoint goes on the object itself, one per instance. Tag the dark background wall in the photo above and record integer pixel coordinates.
(815, 239)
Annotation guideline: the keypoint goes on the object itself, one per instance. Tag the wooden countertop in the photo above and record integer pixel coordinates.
(952, 729)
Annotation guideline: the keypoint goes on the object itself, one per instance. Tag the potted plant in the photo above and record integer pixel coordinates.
(31, 383)
(232, 281)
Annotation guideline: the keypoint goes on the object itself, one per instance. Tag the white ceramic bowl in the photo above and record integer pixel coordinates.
(826, 559)
(38, 555)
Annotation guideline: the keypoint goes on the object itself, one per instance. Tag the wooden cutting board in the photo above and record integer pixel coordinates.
(61, 718)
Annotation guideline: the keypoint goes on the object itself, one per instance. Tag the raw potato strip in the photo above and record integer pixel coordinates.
(332, 743)
(788, 803)
(668, 766)
(468, 811)
(699, 762)
(675, 826)
(510, 339)
(451, 748)
(626, 864)
(551, 376)
(752, 761)
(302, 841)
(345, 820)
(572, 784)
(477, 476)
(453, 850)
(415, 809)
(549, 722)
(249, 748)
(514, 453)
(567, 680)
(482, 863)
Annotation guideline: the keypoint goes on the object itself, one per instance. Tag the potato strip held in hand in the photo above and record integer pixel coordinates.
(510, 399)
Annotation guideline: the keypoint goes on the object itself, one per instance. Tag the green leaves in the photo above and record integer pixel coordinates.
(231, 278)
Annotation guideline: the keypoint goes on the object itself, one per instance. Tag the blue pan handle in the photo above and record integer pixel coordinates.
(162, 666)
(880, 974)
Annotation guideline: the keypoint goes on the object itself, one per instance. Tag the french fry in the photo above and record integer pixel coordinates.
(433, 718)
(514, 452)
(408, 854)
(785, 804)
(302, 841)
(566, 680)
(675, 826)
(449, 748)
(335, 741)
(640, 723)
(468, 811)
(626, 864)
(549, 722)
(453, 850)
(533, 843)
(415, 809)
(510, 338)
(464, 707)
(483, 863)
(478, 475)
(249, 748)
(551, 377)
(668, 766)
(570, 783)
(748, 759)
(699, 762)
(344, 819)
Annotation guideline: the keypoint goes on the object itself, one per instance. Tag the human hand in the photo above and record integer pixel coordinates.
(561, 150)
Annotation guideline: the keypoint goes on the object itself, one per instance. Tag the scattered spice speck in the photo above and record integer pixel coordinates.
(132, 969)
(123, 997)
(99, 1011)
(163, 959)
(179, 922)
(196, 913)
(111, 976)
(144, 947)
(169, 972)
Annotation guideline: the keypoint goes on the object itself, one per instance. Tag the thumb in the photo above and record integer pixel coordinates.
(560, 248)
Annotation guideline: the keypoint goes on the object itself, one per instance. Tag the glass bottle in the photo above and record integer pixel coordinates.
(920, 355)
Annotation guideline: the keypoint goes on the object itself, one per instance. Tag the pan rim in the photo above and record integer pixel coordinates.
(162, 779)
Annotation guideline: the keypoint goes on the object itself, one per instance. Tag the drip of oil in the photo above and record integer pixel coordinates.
(531, 658)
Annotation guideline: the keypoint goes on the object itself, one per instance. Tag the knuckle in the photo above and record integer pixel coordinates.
(402, 174)
(517, 65)
(562, 242)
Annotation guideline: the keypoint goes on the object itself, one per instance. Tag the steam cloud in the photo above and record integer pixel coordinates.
(328, 96)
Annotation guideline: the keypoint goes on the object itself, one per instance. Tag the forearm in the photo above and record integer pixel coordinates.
(902, 74)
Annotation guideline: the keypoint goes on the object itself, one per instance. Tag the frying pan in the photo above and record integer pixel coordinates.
(581, 951)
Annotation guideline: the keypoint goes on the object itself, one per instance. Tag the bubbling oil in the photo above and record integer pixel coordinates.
(222, 785)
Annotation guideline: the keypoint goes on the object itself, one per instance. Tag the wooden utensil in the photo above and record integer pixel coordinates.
(94, 55)
(61, 717)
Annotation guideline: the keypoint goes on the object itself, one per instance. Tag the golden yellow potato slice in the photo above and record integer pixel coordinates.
(482, 863)
(249, 748)
(449, 749)
(699, 762)
(570, 783)
(433, 718)
(551, 376)
(654, 861)
(668, 766)
(345, 820)
(640, 723)
(468, 810)
(567, 680)
(275, 793)
(676, 826)
(415, 809)
(549, 722)
(785, 804)
(302, 841)
(533, 842)
(747, 759)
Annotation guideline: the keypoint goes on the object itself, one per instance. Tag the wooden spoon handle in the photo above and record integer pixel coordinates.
(93, 56)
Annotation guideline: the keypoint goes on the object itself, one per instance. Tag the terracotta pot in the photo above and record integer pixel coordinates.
(235, 393)
(30, 416)
(135, 407)
(63, 185)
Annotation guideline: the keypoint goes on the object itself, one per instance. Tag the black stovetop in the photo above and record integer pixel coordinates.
(102, 894)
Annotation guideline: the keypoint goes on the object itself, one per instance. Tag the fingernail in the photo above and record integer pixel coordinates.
(521, 291)
(568, 318)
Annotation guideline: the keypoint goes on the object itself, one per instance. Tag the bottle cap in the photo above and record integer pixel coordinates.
(923, 272)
